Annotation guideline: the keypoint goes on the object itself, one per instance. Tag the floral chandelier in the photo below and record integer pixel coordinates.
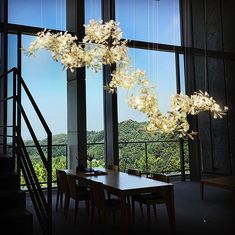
(102, 44)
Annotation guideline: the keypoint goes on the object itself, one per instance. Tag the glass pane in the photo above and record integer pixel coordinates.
(94, 98)
(137, 148)
(95, 116)
(94, 102)
(92, 10)
(44, 14)
(46, 80)
(161, 72)
(150, 20)
(12, 61)
(182, 74)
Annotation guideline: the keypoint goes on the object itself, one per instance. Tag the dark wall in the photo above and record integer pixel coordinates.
(212, 23)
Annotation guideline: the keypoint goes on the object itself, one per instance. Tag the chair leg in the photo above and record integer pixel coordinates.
(133, 211)
(148, 216)
(104, 219)
(87, 206)
(66, 205)
(57, 199)
(114, 217)
(99, 215)
(61, 200)
(202, 190)
(155, 211)
(129, 215)
(92, 214)
(76, 211)
(141, 209)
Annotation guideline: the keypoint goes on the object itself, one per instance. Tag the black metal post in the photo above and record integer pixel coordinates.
(110, 100)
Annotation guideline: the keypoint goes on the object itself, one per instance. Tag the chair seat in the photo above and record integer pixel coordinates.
(149, 198)
(113, 202)
(83, 194)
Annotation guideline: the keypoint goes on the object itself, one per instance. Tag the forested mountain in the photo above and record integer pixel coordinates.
(156, 153)
(129, 131)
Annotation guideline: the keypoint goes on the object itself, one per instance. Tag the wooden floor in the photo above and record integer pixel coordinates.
(214, 215)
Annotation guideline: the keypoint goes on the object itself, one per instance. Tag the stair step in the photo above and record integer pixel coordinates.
(12, 199)
(9, 181)
(17, 222)
(7, 163)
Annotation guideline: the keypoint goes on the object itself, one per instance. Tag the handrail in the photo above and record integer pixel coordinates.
(145, 143)
(31, 186)
(33, 135)
(9, 71)
(47, 129)
(138, 142)
(42, 207)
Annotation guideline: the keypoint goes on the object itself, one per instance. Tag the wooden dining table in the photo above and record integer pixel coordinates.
(125, 185)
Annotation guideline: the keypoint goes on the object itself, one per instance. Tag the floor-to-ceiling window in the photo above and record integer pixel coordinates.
(149, 25)
(45, 78)
(94, 97)
(153, 28)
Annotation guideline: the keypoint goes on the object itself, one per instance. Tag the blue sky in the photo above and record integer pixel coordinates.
(146, 20)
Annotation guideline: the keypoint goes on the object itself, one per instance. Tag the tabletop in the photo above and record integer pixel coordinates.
(123, 181)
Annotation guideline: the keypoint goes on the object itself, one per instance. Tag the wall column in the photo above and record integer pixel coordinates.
(76, 91)
(110, 100)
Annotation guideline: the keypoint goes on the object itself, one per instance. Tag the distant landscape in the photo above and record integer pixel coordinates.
(161, 156)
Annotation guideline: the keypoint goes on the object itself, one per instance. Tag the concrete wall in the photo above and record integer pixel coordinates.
(212, 29)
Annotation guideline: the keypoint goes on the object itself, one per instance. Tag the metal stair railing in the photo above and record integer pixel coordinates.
(42, 204)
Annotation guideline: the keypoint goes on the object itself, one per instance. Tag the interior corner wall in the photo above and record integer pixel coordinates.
(212, 24)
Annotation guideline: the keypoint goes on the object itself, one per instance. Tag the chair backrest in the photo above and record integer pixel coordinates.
(113, 167)
(161, 177)
(72, 185)
(98, 195)
(133, 172)
(62, 181)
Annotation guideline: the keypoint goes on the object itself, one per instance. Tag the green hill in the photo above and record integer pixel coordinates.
(161, 156)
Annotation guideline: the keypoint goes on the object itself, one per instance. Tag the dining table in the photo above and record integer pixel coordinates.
(125, 185)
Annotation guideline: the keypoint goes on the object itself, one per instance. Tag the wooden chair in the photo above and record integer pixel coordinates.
(113, 167)
(62, 189)
(78, 193)
(134, 172)
(151, 199)
(104, 205)
(161, 177)
(116, 169)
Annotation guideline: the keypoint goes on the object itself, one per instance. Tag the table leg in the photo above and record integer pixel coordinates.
(123, 214)
(171, 208)
(202, 190)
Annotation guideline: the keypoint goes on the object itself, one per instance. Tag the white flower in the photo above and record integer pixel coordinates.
(102, 44)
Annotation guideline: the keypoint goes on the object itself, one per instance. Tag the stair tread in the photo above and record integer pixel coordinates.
(5, 155)
(14, 213)
(8, 173)
(11, 191)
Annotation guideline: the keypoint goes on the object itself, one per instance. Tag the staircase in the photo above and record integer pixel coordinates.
(14, 218)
